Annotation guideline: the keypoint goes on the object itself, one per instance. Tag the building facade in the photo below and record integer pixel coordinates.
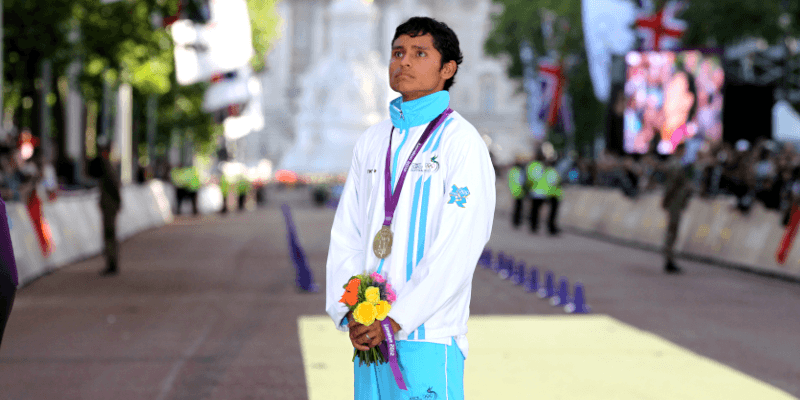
(482, 93)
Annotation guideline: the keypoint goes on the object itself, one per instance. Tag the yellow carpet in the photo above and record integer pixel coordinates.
(550, 357)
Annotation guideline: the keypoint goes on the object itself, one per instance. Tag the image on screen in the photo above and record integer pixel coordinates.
(672, 98)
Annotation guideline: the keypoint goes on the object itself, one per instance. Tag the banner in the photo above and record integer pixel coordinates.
(224, 44)
(227, 89)
(553, 82)
(607, 31)
(532, 90)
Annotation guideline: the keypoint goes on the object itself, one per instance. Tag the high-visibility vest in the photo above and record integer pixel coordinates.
(193, 178)
(535, 172)
(553, 182)
(516, 182)
(242, 185)
(177, 177)
(224, 185)
(186, 178)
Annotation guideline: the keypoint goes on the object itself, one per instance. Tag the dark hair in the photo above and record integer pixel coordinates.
(692, 89)
(444, 40)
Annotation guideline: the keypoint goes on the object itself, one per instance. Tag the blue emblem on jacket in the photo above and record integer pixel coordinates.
(459, 196)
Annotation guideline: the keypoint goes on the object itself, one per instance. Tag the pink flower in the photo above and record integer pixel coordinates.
(390, 295)
(377, 277)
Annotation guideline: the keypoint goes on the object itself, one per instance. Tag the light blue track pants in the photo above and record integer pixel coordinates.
(431, 371)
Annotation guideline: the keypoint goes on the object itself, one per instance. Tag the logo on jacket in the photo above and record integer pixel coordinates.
(430, 166)
(428, 395)
(459, 196)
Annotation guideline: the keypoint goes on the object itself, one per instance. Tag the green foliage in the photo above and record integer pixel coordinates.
(119, 37)
(725, 22)
(265, 22)
(115, 42)
(521, 19)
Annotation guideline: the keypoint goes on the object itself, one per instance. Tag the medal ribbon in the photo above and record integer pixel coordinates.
(391, 199)
(389, 349)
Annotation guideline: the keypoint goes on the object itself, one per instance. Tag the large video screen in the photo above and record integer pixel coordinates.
(672, 98)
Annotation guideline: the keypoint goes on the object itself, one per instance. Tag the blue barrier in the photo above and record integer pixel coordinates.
(304, 277)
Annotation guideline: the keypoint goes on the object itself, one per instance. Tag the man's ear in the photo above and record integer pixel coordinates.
(449, 69)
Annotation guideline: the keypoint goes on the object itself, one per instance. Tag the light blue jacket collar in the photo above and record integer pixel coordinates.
(406, 115)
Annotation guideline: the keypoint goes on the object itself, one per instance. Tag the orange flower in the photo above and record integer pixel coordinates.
(350, 296)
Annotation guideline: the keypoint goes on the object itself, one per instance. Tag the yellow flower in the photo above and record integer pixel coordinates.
(382, 309)
(365, 313)
(373, 295)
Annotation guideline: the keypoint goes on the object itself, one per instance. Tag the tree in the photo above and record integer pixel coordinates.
(725, 22)
(264, 20)
(114, 42)
(521, 19)
(33, 31)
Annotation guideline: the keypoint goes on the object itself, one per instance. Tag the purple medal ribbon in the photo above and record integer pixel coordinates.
(389, 350)
(391, 199)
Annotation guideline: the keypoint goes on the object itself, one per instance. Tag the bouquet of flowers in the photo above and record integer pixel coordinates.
(370, 298)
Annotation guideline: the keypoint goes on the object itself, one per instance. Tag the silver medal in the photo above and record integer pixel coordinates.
(382, 245)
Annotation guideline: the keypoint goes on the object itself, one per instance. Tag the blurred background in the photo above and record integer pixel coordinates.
(207, 107)
(277, 92)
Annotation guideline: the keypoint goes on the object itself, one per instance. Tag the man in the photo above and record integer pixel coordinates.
(517, 184)
(224, 187)
(242, 190)
(110, 203)
(553, 179)
(539, 192)
(187, 185)
(677, 191)
(440, 221)
(534, 173)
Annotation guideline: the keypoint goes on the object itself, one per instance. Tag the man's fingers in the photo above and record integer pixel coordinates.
(366, 337)
(357, 331)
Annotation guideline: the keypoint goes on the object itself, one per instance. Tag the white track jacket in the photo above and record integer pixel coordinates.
(442, 222)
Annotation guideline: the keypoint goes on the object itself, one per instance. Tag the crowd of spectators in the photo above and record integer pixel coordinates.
(765, 171)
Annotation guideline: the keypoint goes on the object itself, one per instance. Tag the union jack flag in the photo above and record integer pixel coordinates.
(553, 82)
(661, 30)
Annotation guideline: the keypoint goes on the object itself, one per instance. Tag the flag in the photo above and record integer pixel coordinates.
(552, 81)
(531, 85)
(661, 30)
(606, 32)
(567, 121)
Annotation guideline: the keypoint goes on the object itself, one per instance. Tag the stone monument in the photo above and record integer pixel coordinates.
(342, 95)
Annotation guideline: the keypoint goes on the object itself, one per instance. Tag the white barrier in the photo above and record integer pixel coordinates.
(76, 226)
(710, 229)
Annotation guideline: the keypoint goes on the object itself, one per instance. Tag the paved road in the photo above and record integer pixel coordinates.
(206, 309)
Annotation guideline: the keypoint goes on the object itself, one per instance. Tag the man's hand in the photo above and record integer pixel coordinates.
(366, 337)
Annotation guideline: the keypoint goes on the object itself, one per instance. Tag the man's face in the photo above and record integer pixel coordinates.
(415, 67)
(678, 99)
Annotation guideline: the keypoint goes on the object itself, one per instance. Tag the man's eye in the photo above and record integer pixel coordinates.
(421, 54)
(398, 54)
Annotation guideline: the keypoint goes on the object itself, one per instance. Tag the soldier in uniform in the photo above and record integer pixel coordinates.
(110, 204)
(677, 191)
